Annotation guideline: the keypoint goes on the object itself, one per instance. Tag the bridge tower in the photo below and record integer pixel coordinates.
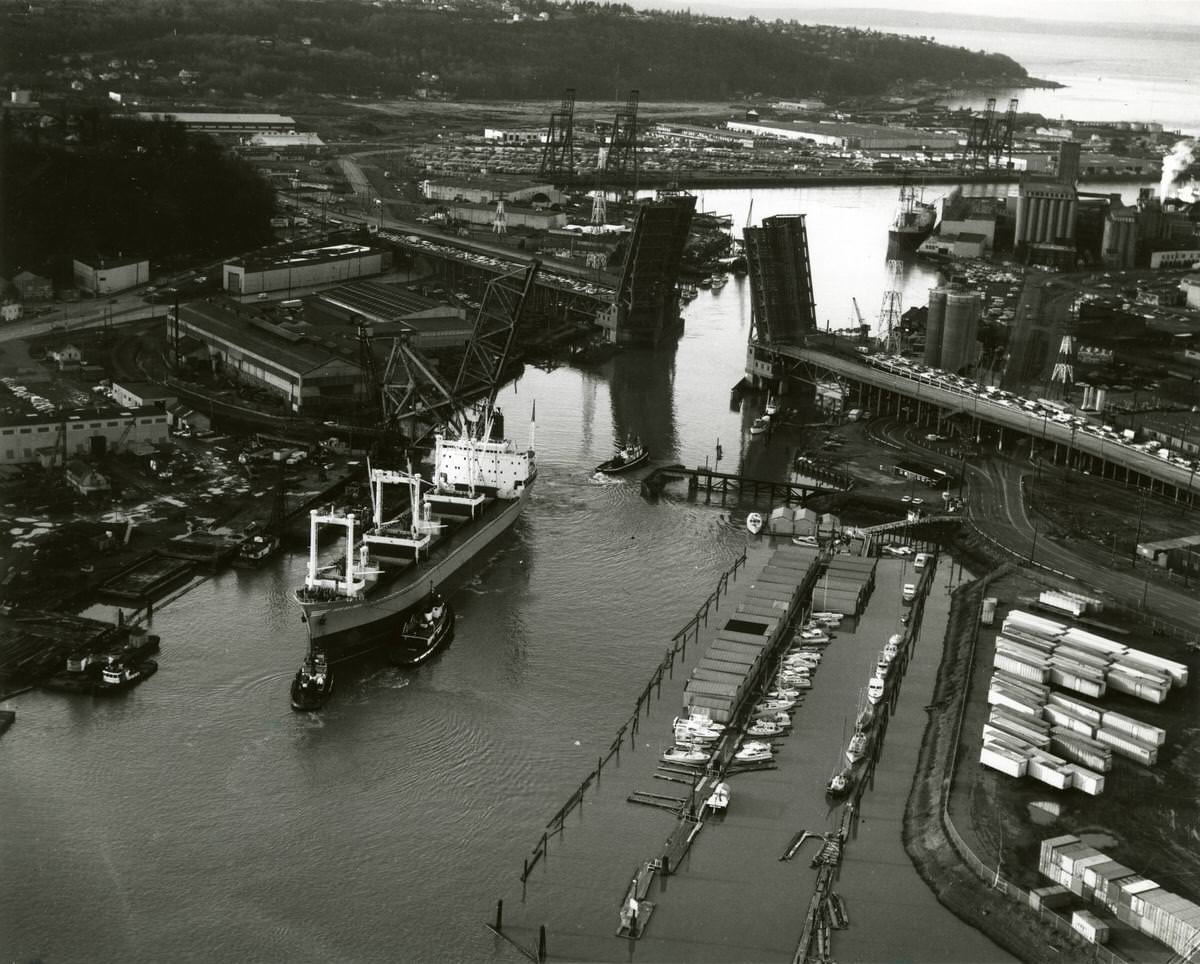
(1002, 137)
(558, 153)
(645, 310)
(782, 308)
(417, 396)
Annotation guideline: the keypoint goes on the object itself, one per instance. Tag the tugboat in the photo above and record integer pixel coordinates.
(629, 456)
(312, 685)
(117, 675)
(426, 631)
(840, 783)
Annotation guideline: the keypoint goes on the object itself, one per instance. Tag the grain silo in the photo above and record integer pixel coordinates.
(934, 326)
(960, 329)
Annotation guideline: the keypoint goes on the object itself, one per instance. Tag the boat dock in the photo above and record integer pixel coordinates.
(815, 865)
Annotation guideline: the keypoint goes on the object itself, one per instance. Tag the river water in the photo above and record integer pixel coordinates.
(199, 818)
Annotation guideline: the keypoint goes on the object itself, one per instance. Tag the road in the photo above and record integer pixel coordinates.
(995, 487)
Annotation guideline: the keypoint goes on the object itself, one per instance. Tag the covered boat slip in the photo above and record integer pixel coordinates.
(749, 639)
(732, 899)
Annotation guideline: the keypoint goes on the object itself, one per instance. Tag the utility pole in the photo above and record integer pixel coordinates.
(1138, 534)
(1033, 546)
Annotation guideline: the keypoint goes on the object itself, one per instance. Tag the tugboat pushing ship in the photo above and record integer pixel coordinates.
(376, 593)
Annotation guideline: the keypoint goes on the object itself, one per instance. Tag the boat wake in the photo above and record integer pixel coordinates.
(599, 478)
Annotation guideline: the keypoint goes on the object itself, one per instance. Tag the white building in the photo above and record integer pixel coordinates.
(1191, 290)
(331, 264)
(53, 437)
(497, 135)
(105, 276)
(1175, 259)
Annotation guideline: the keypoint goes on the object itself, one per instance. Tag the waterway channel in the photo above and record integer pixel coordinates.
(199, 818)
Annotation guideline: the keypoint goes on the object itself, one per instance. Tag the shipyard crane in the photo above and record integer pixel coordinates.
(622, 158)
(558, 153)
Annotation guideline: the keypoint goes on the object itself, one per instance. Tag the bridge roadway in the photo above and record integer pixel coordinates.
(1086, 439)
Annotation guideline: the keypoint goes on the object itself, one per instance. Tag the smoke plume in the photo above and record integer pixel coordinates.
(1175, 164)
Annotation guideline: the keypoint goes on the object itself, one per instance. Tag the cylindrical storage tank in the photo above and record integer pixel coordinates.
(1101, 398)
(934, 326)
(958, 336)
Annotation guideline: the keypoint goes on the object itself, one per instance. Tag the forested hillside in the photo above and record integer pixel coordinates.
(525, 49)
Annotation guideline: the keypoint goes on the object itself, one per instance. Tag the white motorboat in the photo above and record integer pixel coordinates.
(770, 707)
(875, 690)
(760, 425)
(717, 282)
(772, 406)
(755, 522)
(791, 693)
(827, 617)
(856, 749)
(764, 728)
(814, 636)
(889, 652)
(719, 798)
(701, 721)
(753, 753)
(696, 734)
(801, 661)
(689, 755)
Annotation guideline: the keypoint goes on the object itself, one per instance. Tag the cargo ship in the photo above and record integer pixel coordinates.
(914, 222)
(358, 602)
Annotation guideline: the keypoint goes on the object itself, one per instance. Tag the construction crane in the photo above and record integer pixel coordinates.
(862, 325)
(890, 308)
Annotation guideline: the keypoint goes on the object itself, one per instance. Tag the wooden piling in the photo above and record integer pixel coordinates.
(500, 914)
(541, 951)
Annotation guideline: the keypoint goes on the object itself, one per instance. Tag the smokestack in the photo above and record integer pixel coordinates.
(1177, 161)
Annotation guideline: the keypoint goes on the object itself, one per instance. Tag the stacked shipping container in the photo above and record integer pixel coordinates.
(1134, 900)
(1033, 731)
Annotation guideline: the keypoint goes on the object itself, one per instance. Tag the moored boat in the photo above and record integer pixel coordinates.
(312, 684)
(875, 690)
(856, 749)
(840, 783)
(764, 728)
(753, 752)
(719, 798)
(755, 522)
(760, 425)
(689, 755)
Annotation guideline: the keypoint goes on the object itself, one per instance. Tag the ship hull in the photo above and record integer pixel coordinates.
(907, 240)
(343, 629)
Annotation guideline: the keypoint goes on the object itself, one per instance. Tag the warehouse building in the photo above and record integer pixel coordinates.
(845, 137)
(299, 368)
(223, 123)
(392, 311)
(105, 276)
(533, 219)
(55, 437)
(492, 188)
(303, 269)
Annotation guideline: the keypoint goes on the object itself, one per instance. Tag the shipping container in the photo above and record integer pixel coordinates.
(1002, 759)
(1053, 897)
(1086, 711)
(1020, 619)
(1081, 753)
(1035, 691)
(1023, 669)
(987, 613)
(1085, 779)
(1062, 603)
(1127, 746)
(1089, 926)
(1136, 658)
(1085, 684)
(1120, 681)
(1050, 774)
(1017, 702)
(1068, 720)
(1142, 732)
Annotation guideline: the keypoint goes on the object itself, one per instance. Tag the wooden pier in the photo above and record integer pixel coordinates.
(726, 486)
